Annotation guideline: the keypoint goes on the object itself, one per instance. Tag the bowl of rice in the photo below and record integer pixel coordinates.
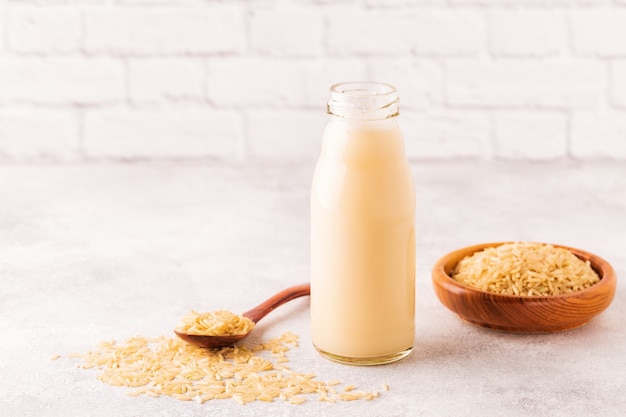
(524, 287)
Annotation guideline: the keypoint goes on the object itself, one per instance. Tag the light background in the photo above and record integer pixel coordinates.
(91, 80)
(114, 249)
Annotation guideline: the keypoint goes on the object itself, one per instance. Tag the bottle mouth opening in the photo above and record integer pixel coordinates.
(363, 88)
(363, 100)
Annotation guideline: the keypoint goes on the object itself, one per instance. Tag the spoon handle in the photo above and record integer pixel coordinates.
(288, 294)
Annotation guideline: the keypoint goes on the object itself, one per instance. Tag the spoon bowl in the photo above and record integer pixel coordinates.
(211, 341)
(255, 315)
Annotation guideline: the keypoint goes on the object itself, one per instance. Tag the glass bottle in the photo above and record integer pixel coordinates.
(363, 230)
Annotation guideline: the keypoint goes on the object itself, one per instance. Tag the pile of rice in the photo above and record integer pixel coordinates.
(528, 269)
(215, 323)
(166, 366)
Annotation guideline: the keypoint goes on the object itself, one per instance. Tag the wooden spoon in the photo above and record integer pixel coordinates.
(255, 314)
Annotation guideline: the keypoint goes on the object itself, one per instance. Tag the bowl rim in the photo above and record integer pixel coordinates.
(604, 270)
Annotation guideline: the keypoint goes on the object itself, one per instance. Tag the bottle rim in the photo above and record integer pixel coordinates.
(365, 100)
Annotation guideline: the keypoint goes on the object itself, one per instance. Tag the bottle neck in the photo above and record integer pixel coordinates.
(364, 101)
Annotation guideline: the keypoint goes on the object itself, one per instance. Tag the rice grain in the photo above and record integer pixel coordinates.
(215, 323)
(526, 269)
(166, 366)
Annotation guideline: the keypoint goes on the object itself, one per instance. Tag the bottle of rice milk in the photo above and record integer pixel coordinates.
(362, 230)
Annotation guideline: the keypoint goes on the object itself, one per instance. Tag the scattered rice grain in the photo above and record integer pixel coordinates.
(168, 366)
(297, 400)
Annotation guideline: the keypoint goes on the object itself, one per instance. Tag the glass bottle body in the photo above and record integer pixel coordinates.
(363, 234)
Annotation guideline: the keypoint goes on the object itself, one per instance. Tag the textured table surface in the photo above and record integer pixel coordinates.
(94, 252)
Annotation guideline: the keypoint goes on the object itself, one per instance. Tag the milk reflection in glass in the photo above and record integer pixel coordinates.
(362, 231)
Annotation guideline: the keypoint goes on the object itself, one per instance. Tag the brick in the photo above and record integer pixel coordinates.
(599, 32)
(2, 25)
(419, 82)
(36, 134)
(526, 32)
(56, 3)
(425, 31)
(524, 3)
(237, 82)
(291, 32)
(162, 30)
(61, 80)
(529, 135)
(164, 132)
(176, 79)
(367, 32)
(598, 134)
(285, 134)
(449, 32)
(321, 74)
(44, 30)
(617, 86)
(158, 2)
(401, 3)
(234, 82)
(519, 83)
(442, 134)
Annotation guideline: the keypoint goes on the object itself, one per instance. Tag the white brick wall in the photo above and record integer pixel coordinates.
(525, 83)
(270, 31)
(37, 30)
(164, 31)
(61, 80)
(154, 80)
(28, 133)
(181, 132)
(526, 33)
(530, 135)
(599, 33)
(84, 80)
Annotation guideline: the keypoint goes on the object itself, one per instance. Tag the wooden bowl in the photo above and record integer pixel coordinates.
(523, 314)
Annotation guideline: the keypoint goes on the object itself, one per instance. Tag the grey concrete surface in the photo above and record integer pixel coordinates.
(108, 251)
